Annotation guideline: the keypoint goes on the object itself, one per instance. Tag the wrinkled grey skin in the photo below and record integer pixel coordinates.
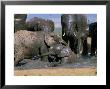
(74, 30)
(61, 53)
(39, 24)
(28, 44)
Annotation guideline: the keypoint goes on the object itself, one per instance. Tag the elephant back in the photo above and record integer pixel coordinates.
(39, 24)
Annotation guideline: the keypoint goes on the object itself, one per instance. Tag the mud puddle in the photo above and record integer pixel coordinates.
(82, 62)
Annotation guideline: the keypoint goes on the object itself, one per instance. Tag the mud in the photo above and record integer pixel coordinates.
(82, 62)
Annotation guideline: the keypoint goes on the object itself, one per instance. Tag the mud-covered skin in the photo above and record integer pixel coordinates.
(61, 54)
(28, 44)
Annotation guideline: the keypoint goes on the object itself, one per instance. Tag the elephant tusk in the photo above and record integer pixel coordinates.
(74, 34)
(64, 34)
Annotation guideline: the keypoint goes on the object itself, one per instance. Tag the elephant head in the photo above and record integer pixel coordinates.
(73, 30)
(73, 23)
(53, 39)
(61, 54)
(58, 49)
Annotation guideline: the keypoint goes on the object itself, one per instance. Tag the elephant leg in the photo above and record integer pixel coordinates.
(18, 57)
(43, 49)
(22, 53)
(73, 44)
(85, 48)
(93, 46)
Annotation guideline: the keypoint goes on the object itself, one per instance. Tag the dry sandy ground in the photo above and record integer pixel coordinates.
(57, 72)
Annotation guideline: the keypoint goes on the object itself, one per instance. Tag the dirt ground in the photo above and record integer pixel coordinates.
(57, 72)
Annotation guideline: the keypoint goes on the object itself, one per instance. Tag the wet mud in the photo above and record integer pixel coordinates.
(82, 62)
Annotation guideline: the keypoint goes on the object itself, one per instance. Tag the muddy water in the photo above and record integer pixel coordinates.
(82, 62)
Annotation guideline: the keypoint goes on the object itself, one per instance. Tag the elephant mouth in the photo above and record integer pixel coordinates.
(70, 33)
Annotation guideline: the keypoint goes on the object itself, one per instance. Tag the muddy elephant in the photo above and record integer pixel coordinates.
(38, 24)
(61, 53)
(74, 31)
(28, 44)
(20, 22)
(93, 35)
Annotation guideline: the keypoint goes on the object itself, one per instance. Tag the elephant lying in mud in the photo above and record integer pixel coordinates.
(28, 44)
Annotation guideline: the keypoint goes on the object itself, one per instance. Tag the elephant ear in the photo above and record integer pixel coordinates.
(59, 40)
(49, 39)
(52, 39)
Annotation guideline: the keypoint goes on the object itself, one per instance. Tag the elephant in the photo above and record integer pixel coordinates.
(61, 54)
(28, 44)
(38, 24)
(22, 17)
(20, 22)
(74, 31)
(93, 35)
